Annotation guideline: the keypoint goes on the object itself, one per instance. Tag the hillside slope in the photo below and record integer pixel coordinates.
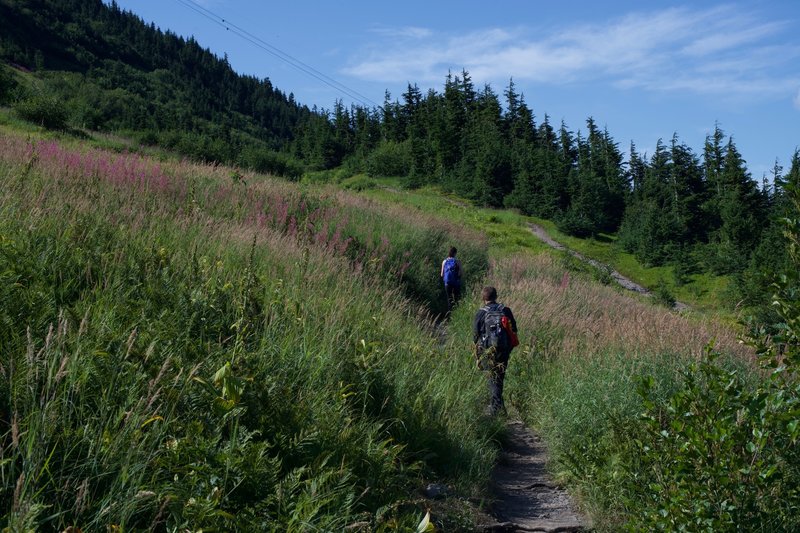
(186, 346)
(114, 72)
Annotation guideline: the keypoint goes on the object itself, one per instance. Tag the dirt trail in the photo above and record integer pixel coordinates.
(526, 499)
(523, 495)
(621, 280)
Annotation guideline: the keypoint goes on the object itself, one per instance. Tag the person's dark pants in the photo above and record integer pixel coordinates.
(453, 293)
(496, 375)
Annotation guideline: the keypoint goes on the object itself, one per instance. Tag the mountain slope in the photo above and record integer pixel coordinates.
(114, 72)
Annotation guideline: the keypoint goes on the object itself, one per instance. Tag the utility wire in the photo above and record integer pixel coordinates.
(277, 52)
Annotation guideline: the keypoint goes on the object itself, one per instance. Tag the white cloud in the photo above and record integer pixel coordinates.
(797, 100)
(718, 51)
(408, 32)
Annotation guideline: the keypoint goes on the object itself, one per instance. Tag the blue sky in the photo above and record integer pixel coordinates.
(644, 70)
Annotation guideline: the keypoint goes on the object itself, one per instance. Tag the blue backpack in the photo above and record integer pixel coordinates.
(452, 276)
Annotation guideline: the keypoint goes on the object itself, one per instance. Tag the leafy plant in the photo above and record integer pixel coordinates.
(389, 159)
(359, 183)
(7, 85)
(663, 295)
(723, 453)
(43, 109)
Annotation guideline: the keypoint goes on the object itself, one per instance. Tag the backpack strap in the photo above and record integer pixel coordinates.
(486, 308)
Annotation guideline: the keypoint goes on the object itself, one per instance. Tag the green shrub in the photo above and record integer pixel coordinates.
(326, 176)
(147, 137)
(43, 109)
(721, 455)
(602, 274)
(317, 177)
(270, 162)
(576, 224)
(663, 295)
(390, 159)
(7, 85)
(359, 182)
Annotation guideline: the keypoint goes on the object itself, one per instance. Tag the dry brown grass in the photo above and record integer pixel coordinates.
(583, 318)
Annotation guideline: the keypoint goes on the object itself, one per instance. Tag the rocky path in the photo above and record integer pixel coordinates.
(526, 499)
(621, 280)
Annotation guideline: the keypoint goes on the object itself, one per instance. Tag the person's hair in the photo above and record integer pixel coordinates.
(452, 252)
(489, 294)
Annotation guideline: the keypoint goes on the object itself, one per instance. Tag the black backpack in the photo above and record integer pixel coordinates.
(494, 334)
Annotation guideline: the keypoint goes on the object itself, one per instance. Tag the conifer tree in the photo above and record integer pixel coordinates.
(740, 206)
(390, 123)
(454, 126)
(492, 179)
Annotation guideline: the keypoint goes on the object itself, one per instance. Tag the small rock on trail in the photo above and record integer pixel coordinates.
(525, 497)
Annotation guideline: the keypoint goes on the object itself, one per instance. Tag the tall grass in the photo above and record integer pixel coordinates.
(194, 347)
(402, 246)
(574, 378)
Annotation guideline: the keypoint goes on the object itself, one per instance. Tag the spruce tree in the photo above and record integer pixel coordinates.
(740, 206)
(492, 177)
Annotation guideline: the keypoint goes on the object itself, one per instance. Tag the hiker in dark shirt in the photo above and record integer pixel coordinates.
(451, 276)
(493, 344)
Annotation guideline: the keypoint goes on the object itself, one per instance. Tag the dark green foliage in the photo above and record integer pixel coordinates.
(647, 233)
(7, 84)
(663, 214)
(359, 182)
(663, 295)
(723, 454)
(683, 265)
(389, 159)
(42, 109)
(270, 162)
(577, 221)
(740, 206)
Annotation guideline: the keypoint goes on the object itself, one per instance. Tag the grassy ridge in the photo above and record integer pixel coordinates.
(193, 348)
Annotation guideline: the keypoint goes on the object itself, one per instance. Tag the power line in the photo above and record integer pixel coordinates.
(277, 52)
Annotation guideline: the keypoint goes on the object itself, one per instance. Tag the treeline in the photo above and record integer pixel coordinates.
(701, 212)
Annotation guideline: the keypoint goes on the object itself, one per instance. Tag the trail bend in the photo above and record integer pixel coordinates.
(622, 281)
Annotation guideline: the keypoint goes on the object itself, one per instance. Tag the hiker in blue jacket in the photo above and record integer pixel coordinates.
(451, 276)
(493, 344)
